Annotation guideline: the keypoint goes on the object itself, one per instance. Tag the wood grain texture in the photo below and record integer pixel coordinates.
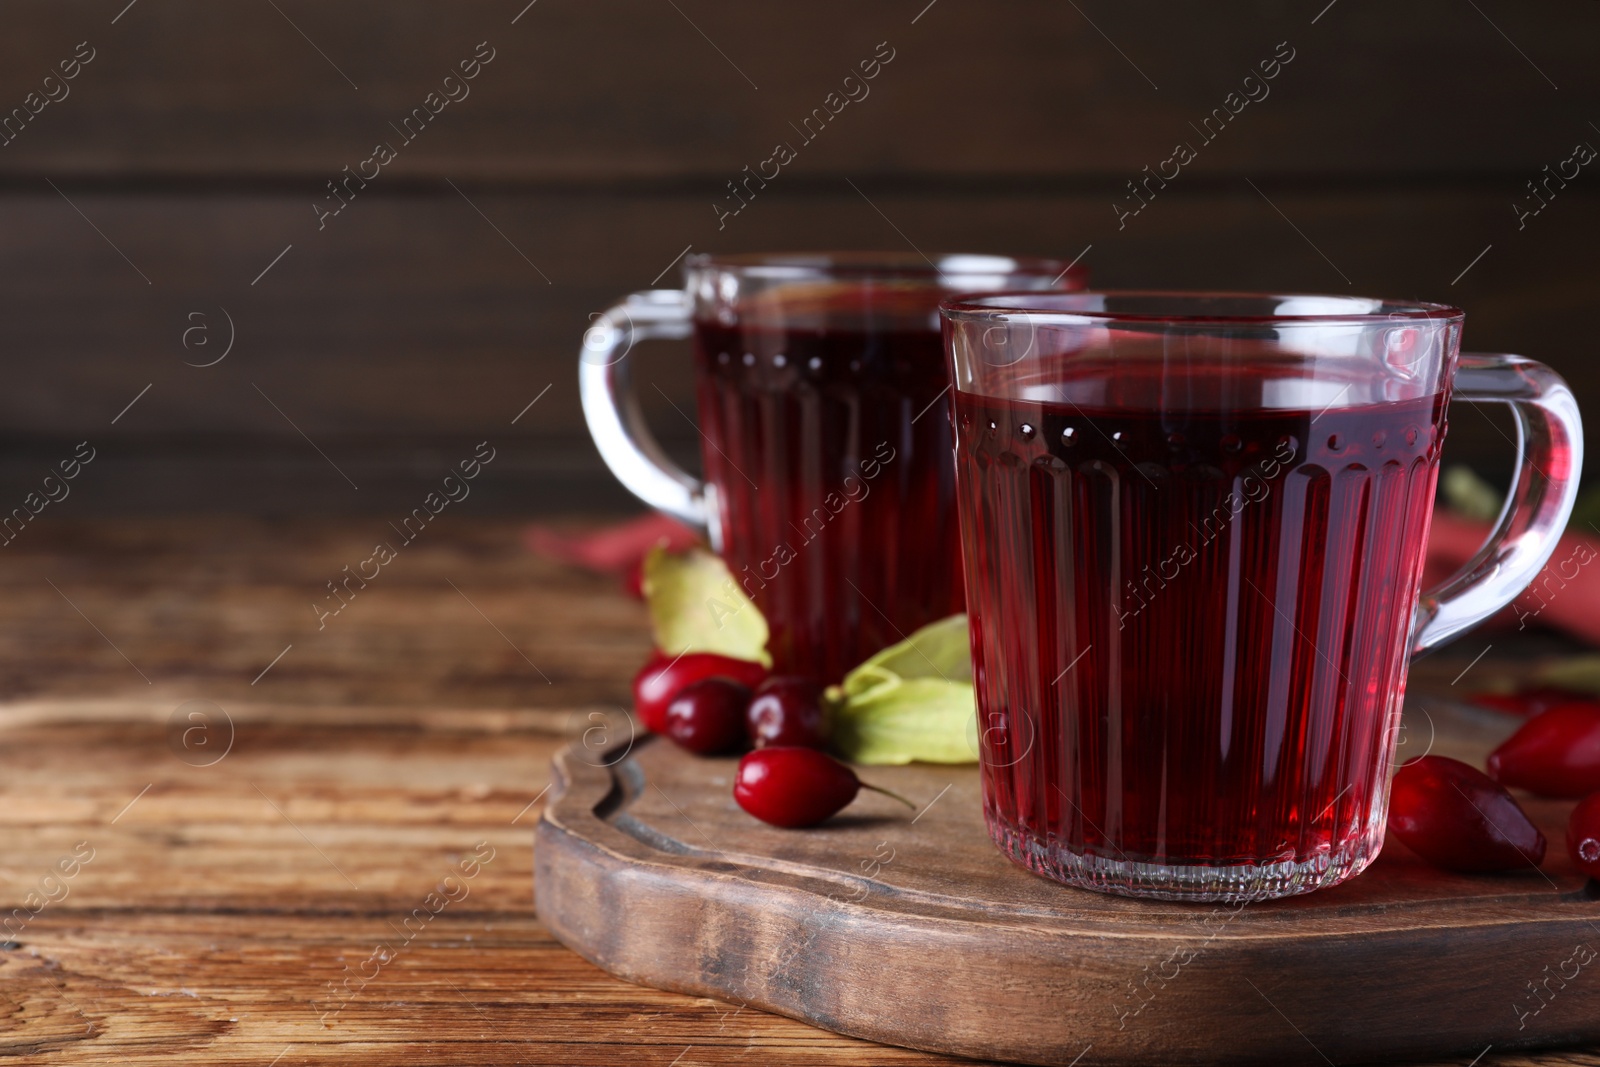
(916, 931)
(202, 608)
(454, 287)
(410, 331)
(413, 316)
(614, 90)
(214, 913)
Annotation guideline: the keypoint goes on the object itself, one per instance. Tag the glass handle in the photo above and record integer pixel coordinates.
(1549, 460)
(615, 419)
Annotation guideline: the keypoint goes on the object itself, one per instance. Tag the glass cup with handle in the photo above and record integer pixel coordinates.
(1194, 527)
(825, 434)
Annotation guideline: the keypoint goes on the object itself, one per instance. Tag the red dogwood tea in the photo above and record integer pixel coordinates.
(1220, 603)
(845, 534)
(1194, 530)
(825, 436)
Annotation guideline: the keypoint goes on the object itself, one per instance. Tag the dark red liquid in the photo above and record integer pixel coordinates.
(1168, 674)
(830, 451)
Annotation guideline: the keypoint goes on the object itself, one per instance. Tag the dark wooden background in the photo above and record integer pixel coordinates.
(1387, 157)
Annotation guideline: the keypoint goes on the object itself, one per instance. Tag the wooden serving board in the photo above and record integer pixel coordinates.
(917, 932)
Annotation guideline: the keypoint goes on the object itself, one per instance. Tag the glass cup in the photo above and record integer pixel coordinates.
(1194, 528)
(828, 487)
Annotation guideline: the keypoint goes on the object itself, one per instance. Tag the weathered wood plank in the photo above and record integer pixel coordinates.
(411, 330)
(608, 90)
(205, 925)
(201, 610)
(918, 932)
(472, 988)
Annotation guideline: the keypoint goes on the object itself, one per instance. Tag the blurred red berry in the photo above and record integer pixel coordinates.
(1458, 818)
(707, 717)
(793, 787)
(787, 710)
(1583, 835)
(664, 677)
(1554, 754)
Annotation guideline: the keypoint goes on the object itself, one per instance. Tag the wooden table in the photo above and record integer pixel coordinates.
(349, 880)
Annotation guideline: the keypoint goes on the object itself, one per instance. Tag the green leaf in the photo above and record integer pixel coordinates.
(912, 701)
(940, 649)
(1586, 512)
(696, 606)
(907, 719)
(1469, 495)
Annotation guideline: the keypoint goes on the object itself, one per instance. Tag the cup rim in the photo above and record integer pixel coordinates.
(894, 266)
(1037, 305)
